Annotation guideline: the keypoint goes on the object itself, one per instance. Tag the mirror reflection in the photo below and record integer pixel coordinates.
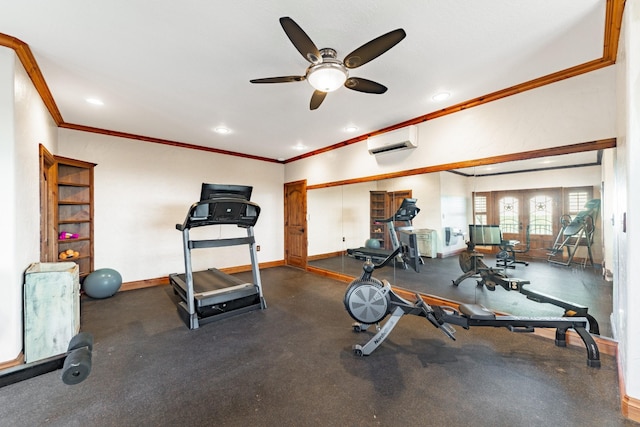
(545, 221)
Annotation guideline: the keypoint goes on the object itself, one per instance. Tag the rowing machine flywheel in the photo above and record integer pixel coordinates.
(367, 301)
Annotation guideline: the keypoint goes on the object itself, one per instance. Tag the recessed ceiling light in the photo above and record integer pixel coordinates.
(94, 101)
(351, 129)
(441, 96)
(299, 146)
(222, 130)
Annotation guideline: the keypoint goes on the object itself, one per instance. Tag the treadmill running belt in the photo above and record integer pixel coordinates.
(211, 280)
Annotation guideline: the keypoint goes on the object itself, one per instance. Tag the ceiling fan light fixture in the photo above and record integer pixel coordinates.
(327, 76)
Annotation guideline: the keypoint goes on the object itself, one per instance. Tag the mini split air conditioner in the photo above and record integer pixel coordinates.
(400, 139)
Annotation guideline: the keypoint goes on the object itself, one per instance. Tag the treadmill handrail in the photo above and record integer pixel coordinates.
(217, 243)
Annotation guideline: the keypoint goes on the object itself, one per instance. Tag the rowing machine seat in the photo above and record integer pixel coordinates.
(476, 312)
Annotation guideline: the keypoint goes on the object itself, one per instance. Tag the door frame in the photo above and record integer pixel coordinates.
(48, 190)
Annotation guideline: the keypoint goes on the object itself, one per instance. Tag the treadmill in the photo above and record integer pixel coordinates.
(211, 294)
(405, 214)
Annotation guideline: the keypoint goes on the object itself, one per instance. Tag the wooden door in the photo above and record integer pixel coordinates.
(295, 224)
(395, 199)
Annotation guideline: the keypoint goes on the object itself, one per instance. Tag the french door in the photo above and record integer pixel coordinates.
(532, 212)
(528, 216)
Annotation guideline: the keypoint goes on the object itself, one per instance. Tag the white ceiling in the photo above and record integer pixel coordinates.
(175, 70)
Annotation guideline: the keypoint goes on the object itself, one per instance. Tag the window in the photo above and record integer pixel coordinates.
(576, 201)
(541, 215)
(509, 212)
(480, 213)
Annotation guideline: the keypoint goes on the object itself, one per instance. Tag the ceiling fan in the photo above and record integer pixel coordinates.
(327, 73)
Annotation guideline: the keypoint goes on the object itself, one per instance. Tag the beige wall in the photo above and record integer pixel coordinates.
(142, 190)
(24, 124)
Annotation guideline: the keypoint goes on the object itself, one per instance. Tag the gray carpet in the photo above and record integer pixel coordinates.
(292, 365)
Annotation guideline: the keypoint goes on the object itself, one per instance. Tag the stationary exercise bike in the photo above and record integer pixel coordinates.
(369, 300)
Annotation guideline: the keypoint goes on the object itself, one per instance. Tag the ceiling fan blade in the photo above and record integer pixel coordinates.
(316, 99)
(284, 79)
(364, 85)
(374, 48)
(300, 40)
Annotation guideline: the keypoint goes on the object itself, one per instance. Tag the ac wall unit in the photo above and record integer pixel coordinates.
(400, 139)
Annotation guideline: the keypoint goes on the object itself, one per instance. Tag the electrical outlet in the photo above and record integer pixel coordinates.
(258, 248)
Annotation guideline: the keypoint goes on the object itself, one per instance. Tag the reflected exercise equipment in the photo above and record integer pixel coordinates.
(574, 233)
(369, 300)
(470, 260)
(472, 266)
(405, 214)
(211, 294)
(506, 258)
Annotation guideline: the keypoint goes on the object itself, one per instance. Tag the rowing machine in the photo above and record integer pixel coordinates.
(369, 300)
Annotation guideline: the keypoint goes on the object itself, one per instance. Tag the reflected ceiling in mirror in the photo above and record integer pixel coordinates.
(585, 158)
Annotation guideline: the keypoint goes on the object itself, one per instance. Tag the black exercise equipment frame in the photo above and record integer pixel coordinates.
(506, 258)
(405, 213)
(75, 364)
(233, 296)
(490, 278)
(369, 300)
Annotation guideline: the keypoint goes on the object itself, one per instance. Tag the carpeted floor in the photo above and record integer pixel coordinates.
(292, 365)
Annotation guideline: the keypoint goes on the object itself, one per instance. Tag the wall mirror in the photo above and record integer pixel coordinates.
(531, 201)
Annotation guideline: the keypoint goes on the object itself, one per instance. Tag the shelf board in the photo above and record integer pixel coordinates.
(72, 184)
(70, 202)
(73, 259)
(79, 239)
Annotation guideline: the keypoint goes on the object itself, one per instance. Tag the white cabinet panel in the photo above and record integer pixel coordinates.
(427, 244)
(51, 309)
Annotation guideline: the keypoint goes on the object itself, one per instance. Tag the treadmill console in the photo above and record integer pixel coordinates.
(223, 210)
(212, 191)
(217, 191)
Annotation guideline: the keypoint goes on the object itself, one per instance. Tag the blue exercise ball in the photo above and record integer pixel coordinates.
(102, 283)
(372, 244)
